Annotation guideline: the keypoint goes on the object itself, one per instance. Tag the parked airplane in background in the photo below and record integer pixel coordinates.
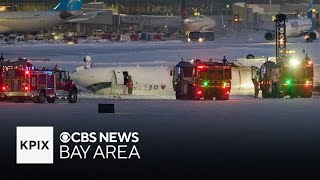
(298, 27)
(33, 21)
(199, 23)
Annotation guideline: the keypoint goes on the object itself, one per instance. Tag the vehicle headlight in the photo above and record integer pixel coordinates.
(294, 62)
(200, 40)
(189, 39)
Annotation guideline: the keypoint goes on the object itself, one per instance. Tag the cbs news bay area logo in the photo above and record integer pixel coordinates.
(35, 145)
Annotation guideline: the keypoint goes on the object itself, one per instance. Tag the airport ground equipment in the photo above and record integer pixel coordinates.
(288, 76)
(200, 36)
(21, 84)
(202, 80)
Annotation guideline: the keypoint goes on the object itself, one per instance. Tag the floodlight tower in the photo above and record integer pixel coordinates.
(281, 38)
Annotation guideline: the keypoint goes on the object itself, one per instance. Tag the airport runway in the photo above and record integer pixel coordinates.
(242, 136)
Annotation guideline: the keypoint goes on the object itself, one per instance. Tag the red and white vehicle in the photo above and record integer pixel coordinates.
(202, 80)
(21, 64)
(38, 85)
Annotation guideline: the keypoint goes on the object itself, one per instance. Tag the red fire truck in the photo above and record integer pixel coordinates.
(21, 84)
(202, 79)
(21, 64)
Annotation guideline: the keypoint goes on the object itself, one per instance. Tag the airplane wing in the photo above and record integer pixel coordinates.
(257, 29)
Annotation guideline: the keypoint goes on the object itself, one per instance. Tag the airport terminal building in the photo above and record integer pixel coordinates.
(125, 15)
(147, 7)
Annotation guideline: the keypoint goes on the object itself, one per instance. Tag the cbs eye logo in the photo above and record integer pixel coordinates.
(65, 137)
(78, 137)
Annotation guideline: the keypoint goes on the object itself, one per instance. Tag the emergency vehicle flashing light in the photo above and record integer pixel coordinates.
(3, 88)
(308, 83)
(27, 72)
(199, 92)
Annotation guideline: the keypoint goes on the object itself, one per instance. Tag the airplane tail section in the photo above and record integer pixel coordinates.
(310, 15)
(184, 11)
(69, 5)
(310, 7)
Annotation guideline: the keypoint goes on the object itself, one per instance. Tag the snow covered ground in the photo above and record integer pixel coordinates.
(149, 53)
(167, 53)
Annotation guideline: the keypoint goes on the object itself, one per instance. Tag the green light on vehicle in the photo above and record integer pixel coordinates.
(206, 83)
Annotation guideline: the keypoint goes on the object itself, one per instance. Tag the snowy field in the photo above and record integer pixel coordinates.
(165, 53)
(149, 53)
(242, 136)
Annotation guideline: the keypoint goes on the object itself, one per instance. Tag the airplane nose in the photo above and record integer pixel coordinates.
(94, 79)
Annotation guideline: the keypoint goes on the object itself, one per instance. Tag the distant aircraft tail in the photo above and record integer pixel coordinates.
(310, 7)
(69, 5)
(183, 10)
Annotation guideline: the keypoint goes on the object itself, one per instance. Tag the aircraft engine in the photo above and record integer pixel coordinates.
(270, 36)
(314, 35)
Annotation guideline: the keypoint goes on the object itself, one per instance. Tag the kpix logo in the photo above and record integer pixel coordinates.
(34, 145)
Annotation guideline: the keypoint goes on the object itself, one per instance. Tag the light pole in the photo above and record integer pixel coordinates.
(270, 4)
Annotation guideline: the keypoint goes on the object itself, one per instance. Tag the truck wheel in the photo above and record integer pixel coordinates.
(73, 97)
(264, 94)
(307, 94)
(223, 97)
(293, 94)
(41, 98)
(51, 100)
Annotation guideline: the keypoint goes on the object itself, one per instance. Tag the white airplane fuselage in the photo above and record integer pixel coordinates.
(31, 21)
(297, 27)
(110, 80)
(200, 23)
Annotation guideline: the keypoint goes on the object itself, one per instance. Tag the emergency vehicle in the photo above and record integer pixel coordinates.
(288, 76)
(22, 64)
(293, 78)
(200, 36)
(22, 84)
(202, 80)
